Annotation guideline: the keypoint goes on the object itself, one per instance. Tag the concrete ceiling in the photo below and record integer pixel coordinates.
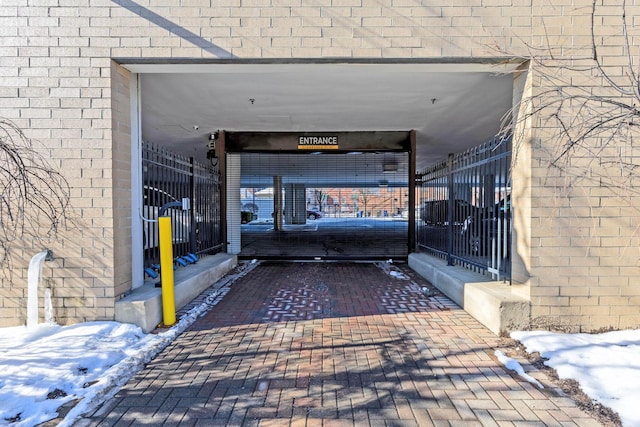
(451, 107)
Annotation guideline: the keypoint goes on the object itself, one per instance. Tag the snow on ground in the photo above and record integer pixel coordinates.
(515, 366)
(46, 366)
(398, 275)
(43, 367)
(607, 366)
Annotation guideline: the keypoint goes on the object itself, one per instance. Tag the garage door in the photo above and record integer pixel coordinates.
(351, 205)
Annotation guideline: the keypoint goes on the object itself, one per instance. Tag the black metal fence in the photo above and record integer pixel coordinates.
(464, 209)
(169, 178)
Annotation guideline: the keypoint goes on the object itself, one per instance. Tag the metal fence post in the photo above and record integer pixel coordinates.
(450, 209)
(194, 202)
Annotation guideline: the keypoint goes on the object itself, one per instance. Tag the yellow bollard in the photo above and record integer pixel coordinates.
(166, 270)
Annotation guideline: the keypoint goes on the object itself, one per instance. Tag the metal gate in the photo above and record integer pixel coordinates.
(464, 209)
(329, 211)
(168, 177)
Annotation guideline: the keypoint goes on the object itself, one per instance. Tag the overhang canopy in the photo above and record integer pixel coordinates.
(452, 106)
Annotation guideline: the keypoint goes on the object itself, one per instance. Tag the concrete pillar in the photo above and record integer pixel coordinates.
(277, 203)
(522, 164)
(137, 202)
(233, 204)
(295, 204)
(288, 204)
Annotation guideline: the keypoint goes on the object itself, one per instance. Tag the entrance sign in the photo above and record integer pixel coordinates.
(309, 142)
(318, 142)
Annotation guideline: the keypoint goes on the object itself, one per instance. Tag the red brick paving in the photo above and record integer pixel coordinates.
(314, 344)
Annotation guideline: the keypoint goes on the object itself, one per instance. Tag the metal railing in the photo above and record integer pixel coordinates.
(167, 178)
(464, 209)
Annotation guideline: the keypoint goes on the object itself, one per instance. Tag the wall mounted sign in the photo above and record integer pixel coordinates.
(318, 142)
(239, 142)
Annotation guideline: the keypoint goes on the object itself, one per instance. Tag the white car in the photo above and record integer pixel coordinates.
(153, 200)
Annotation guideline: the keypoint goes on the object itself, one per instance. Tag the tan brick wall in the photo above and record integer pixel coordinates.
(58, 82)
(585, 257)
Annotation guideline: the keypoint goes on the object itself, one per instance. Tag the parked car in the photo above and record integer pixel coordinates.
(313, 214)
(153, 200)
(436, 212)
(489, 232)
(246, 217)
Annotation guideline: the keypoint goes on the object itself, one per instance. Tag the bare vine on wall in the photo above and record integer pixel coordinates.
(34, 197)
(587, 104)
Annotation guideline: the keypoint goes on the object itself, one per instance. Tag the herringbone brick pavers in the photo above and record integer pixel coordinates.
(334, 345)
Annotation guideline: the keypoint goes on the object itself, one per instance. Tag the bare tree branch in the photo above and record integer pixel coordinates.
(630, 71)
(582, 119)
(319, 196)
(34, 197)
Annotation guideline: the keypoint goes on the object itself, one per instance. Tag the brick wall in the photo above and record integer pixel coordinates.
(584, 248)
(58, 82)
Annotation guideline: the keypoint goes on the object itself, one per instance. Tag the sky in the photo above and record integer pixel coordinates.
(47, 365)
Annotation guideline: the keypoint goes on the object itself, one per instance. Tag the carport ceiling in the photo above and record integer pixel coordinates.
(451, 107)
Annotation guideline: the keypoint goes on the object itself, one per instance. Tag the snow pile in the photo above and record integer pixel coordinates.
(398, 275)
(48, 365)
(607, 366)
(515, 366)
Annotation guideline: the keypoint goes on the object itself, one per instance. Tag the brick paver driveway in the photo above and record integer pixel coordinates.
(334, 344)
